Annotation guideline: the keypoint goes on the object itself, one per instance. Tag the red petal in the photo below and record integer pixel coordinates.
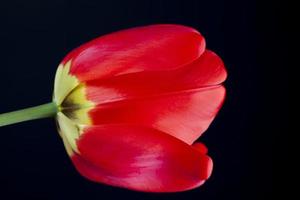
(200, 147)
(206, 71)
(185, 115)
(149, 48)
(141, 159)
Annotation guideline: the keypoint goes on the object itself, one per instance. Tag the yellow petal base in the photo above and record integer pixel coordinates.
(70, 97)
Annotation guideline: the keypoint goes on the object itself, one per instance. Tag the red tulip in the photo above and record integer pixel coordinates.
(131, 105)
(135, 102)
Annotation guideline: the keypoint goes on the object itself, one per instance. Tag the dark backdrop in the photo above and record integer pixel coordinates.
(35, 35)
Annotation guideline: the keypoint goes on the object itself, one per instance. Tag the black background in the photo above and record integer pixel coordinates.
(35, 36)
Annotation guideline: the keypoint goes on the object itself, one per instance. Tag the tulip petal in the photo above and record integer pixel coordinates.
(149, 48)
(208, 70)
(140, 158)
(184, 115)
(200, 147)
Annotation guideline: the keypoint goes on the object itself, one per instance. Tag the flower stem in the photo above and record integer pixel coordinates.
(37, 112)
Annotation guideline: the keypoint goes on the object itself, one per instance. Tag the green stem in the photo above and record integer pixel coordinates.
(37, 112)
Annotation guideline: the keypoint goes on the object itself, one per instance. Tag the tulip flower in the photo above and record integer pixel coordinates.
(131, 105)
